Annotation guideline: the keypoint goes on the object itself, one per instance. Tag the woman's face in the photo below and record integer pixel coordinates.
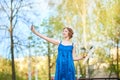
(65, 33)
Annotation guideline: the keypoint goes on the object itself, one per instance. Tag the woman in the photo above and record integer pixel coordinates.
(66, 49)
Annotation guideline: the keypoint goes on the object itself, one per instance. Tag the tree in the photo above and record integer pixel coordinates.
(48, 30)
(13, 13)
(108, 17)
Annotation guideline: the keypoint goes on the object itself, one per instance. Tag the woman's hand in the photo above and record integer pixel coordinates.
(75, 57)
(32, 29)
(84, 57)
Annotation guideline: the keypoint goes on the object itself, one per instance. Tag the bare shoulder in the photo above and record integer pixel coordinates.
(57, 42)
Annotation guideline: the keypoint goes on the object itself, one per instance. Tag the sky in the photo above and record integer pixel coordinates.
(41, 11)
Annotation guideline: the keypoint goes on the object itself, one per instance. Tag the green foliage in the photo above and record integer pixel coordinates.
(7, 76)
(93, 21)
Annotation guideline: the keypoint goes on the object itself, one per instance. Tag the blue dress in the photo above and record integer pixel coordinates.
(64, 64)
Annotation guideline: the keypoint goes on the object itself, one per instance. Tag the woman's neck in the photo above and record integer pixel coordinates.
(66, 39)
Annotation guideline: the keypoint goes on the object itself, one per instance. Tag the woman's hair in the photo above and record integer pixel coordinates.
(70, 32)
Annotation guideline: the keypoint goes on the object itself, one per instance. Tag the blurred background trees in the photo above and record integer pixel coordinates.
(95, 23)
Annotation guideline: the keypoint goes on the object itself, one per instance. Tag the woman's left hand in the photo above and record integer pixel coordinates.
(84, 57)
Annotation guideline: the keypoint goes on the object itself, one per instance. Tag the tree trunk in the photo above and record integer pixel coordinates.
(49, 72)
(12, 56)
(12, 44)
(117, 59)
(29, 64)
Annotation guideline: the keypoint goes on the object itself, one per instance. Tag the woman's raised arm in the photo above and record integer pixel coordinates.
(56, 42)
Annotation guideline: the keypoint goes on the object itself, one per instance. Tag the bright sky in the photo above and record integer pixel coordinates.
(42, 11)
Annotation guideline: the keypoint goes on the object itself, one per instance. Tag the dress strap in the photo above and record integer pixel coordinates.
(60, 42)
(72, 43)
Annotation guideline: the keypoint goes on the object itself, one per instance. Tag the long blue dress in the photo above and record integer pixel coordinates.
(64, 64)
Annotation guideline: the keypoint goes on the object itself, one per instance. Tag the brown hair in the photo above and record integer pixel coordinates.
(70, 33)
